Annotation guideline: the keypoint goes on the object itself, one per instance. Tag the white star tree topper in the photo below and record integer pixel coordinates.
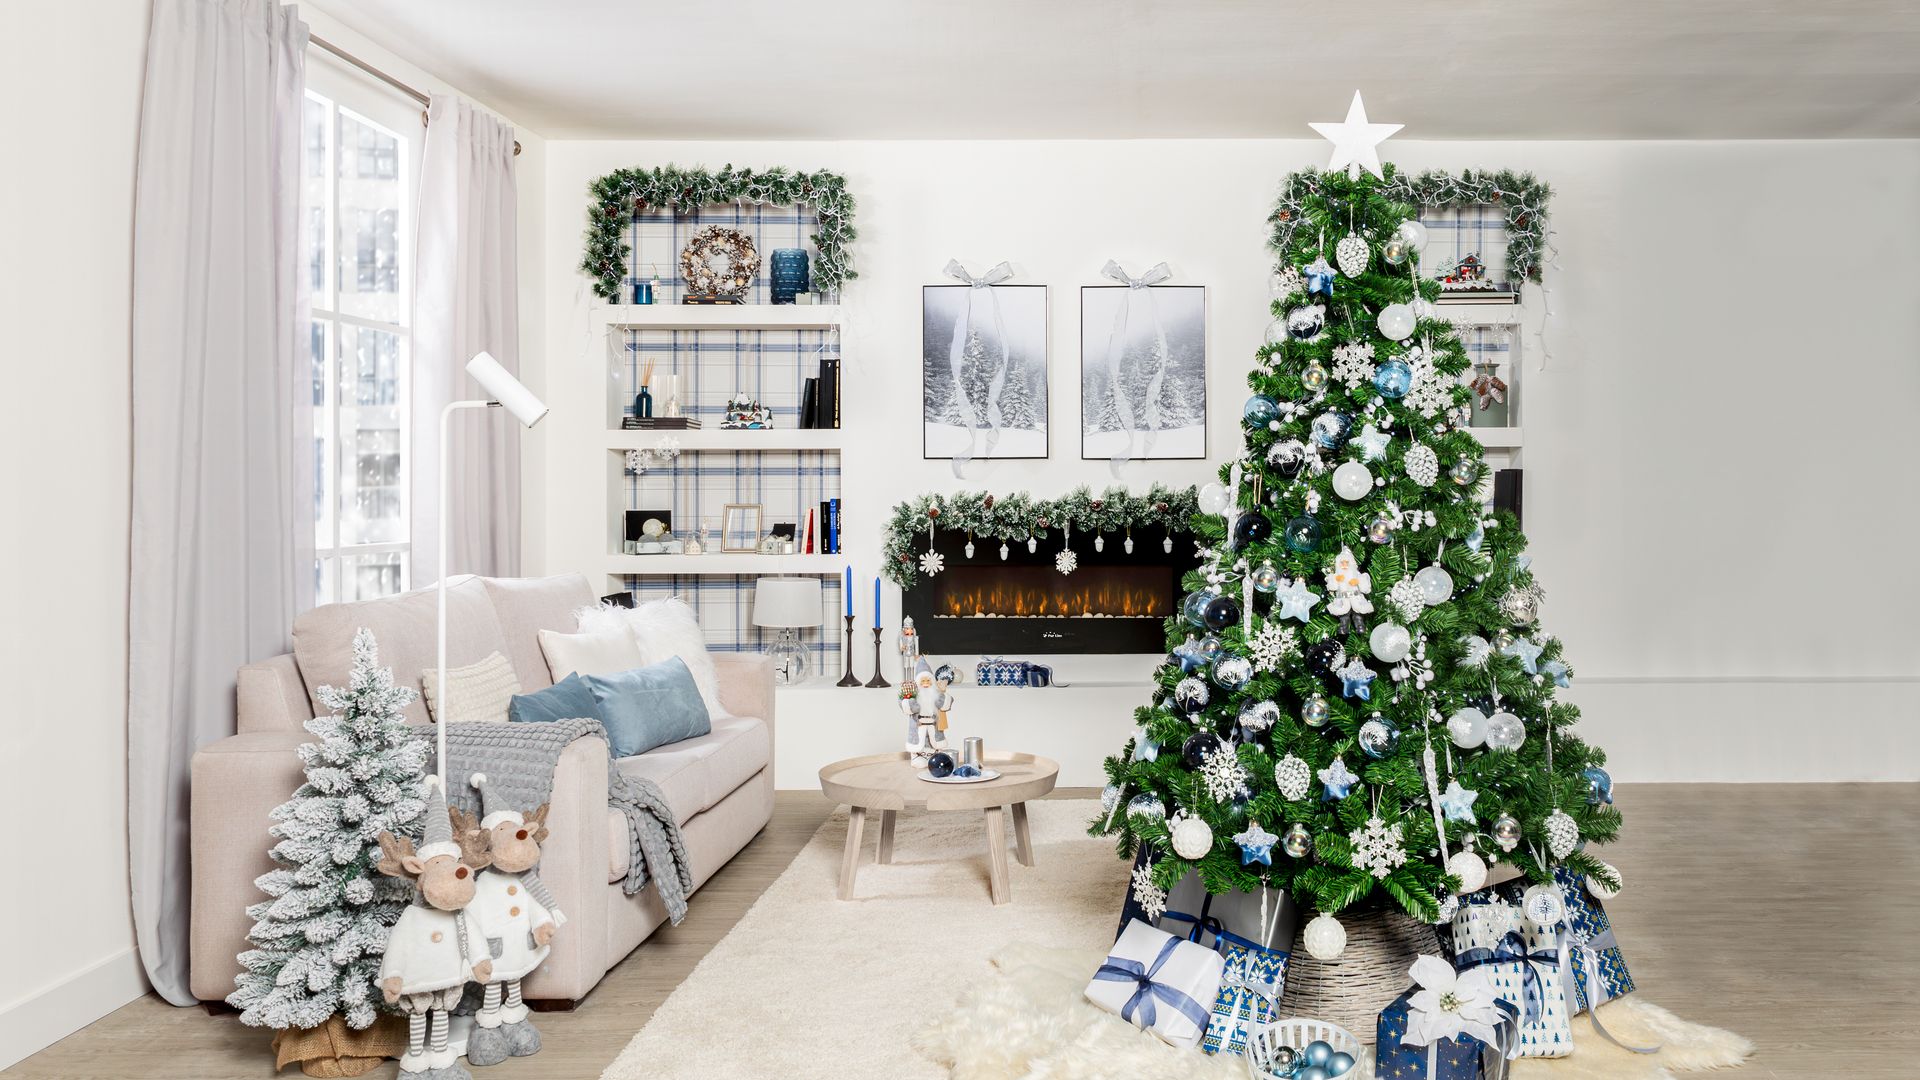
(1355, 141)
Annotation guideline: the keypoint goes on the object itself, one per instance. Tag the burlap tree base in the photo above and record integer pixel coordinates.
(334, 1049)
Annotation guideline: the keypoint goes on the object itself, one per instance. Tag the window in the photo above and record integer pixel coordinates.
(358, 202)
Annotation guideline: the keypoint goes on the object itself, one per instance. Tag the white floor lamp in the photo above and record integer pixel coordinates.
(504, 391)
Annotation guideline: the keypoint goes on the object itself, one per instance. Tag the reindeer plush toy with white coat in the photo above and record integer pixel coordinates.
(517, 916)
(436, 946)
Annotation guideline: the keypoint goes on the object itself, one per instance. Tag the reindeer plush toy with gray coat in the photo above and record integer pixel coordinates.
(517, 916)
(436, 946)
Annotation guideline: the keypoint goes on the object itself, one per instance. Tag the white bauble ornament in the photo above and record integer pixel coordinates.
(1292, 776)
(1600, 889)
(1192, 838)
(1468, 728)
(1351, 253)
(1352, 481)
(1390, 642)
(1470, 868)
(1413, 234)
(1324, 938)
(1563, 834)
(1422, 465)
(1543, 907)
(1436, 585)
(1213, 499)
(1505, 731)
(1396, 322)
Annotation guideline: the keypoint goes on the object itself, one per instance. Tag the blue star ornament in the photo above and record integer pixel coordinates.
(1555, 670)
(1356, 680)
(1337, 780)
(1526, 652)
(1373, 443)
(1256, 845)
(1457, 802)
(1144, 748)
(1320, 277)
(1295, 602)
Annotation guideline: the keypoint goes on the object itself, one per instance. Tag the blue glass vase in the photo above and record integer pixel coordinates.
(789, 274)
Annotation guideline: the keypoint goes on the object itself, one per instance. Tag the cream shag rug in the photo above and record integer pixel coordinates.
(922, 977)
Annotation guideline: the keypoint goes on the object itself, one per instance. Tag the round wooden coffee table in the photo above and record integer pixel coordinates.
(890, 783)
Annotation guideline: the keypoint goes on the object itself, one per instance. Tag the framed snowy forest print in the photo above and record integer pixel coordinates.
(1143, 372)
(983, 371)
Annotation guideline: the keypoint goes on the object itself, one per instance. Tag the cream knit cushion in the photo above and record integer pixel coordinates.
(662, 629)
(475, 692)
(602, 653)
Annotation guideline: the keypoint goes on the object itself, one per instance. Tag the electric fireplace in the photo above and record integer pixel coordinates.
(1113, 601)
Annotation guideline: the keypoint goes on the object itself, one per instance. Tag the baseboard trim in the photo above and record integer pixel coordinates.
(37, 1022)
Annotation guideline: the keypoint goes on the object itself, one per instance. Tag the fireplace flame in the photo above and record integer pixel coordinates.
(1103, 598)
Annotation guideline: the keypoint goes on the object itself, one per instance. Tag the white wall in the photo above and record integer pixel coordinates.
(1720, 432)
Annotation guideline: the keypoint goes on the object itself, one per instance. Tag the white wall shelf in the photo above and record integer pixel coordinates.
(1497, 438)
(732, 439)
(716, 317)
(725, 562)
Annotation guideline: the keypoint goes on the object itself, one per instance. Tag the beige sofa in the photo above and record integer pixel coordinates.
(720, 785)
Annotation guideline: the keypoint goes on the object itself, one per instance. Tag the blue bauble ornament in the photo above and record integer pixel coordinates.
(1195, 608)
(1252, 528)
(940, 766)
(1378, 737)
(1393, 379)
(1221, 612)
(1260, 410)
(1302, 535)
(1317, 1053)
(1599, 786)
(1198, 745)
(1313, 1072)
(1340, 1064)
(1330, 429)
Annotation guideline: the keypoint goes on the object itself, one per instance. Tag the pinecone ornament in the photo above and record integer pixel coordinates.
(1406, 599)
(1351, 254)
(1292, 776)
(1563, 834)
(1422, 465)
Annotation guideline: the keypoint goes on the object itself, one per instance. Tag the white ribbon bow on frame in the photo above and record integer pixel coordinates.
(1116, 345)
(956, 358)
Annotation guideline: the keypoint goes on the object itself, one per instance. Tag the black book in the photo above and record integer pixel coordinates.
(1506, 490)
(829, 410)
(810, 403)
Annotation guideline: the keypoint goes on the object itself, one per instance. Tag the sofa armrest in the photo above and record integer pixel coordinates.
(273, 697)
(573, 863)
(746, 684)
(236, 783)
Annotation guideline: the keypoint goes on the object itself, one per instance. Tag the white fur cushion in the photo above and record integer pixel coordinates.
(661, 629)
(593, 653)
(475, 692)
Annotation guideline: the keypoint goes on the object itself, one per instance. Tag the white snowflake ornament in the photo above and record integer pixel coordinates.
(1353, 363)
(1563, 834)
(1422, 465)
(1151, 897)
(1292, 776)
(1222, 774)
(932, 562)
(1379, 847)
(1066, 562)
(1272, 646)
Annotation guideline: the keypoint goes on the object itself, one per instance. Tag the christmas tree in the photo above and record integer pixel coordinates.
(319, 939)
(1359, 705)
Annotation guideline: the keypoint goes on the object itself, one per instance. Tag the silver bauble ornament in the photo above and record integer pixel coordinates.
(1378, 737)
(1470, 868)
(1313, 376)
(1351, 254)
(1265, 577)
(1297, 842)
(1315, 712)
(1110, 797)
(1190, 693)
(1465, 470)
(1520, 605)
(1413, 234)
(1467, 728)
(1146, 806)
(1259, 716)
(1192, 837)
(1395, 322)
(1324, 937)
(1436, 585)
(1380, 529)
(1506, 831)
(1505, 732)
(1233, 673)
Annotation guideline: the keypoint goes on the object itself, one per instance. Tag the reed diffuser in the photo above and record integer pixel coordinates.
(643, 401)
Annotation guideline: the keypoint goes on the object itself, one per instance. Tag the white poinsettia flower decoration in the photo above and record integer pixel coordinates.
(1450, 1004)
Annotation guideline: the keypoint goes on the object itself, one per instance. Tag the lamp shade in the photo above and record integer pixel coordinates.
(786, 602)
(502, 387)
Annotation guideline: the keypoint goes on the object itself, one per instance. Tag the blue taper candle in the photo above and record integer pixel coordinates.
(876, 603)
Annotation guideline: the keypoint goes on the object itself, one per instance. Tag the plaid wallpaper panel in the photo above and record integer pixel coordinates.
(725, 608)
(1456, 232)
(657, 236)
(699, 484)
(713, 365)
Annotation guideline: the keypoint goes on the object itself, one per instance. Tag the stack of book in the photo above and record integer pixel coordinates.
(659, 423)
(820, 397)
(822, 530)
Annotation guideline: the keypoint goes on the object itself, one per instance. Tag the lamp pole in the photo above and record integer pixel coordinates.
(440, 655)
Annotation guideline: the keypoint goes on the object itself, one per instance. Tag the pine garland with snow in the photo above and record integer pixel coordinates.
(319, 939)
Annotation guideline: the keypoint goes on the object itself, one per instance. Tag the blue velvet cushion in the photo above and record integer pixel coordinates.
(650, 706)
(568, 699)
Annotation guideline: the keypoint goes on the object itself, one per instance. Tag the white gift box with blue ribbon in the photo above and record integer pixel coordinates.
(1159, 983)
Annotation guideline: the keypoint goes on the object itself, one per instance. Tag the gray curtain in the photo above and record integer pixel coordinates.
(465, 301)
(222, 513)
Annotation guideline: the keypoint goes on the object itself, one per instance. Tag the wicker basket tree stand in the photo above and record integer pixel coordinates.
(1351, 990)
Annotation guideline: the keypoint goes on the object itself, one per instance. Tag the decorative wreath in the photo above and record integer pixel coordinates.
(696, 265)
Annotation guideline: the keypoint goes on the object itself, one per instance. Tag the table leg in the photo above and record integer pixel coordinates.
(850, 859)
(997, 854)
(1022, 838)
(885, 854)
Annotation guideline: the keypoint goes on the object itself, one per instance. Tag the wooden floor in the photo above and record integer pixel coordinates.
(1790, 914)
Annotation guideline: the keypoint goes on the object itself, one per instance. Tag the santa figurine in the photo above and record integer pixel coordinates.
(926, 700)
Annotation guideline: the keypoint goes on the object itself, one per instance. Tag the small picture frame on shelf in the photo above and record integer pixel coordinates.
(740, 527)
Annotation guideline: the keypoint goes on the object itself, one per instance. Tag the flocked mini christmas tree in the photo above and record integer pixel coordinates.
(1359, 705)
(318, 940)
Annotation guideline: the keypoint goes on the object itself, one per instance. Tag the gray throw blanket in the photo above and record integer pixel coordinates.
(519, 760)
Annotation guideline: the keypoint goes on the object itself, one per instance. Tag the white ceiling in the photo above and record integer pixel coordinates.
(1448, 69)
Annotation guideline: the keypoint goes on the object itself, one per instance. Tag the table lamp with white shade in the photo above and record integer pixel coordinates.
(787, 605)
(503, 392)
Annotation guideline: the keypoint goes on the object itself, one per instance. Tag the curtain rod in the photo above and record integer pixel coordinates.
(416, 95)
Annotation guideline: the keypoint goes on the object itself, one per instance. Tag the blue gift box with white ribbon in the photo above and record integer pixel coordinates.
(1462, 1058)
(1599, 970)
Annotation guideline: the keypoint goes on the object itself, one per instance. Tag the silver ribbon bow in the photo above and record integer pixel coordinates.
(956, 359)
(1116, 345)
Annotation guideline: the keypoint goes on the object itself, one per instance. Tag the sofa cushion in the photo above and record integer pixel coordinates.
(568, 699)
(662, 628)
(589, 654)
(475, 692)
(698, 773)
(526, 606)
(649, 706)
(404, 627)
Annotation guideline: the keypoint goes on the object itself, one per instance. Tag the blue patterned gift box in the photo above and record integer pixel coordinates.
(1251, 982)
(1524, 961)
(1465, 1058)
(1594, 955)
(999, 671)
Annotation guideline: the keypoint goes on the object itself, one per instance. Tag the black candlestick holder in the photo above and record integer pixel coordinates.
(878, 679)
(848, 678)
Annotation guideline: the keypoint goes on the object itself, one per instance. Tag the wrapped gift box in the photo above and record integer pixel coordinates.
(1524, 959)
(1159, 982)
(1250, 986)
(1595, 957)
(997, 671)
(1464, 1058)
(1255, 973)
